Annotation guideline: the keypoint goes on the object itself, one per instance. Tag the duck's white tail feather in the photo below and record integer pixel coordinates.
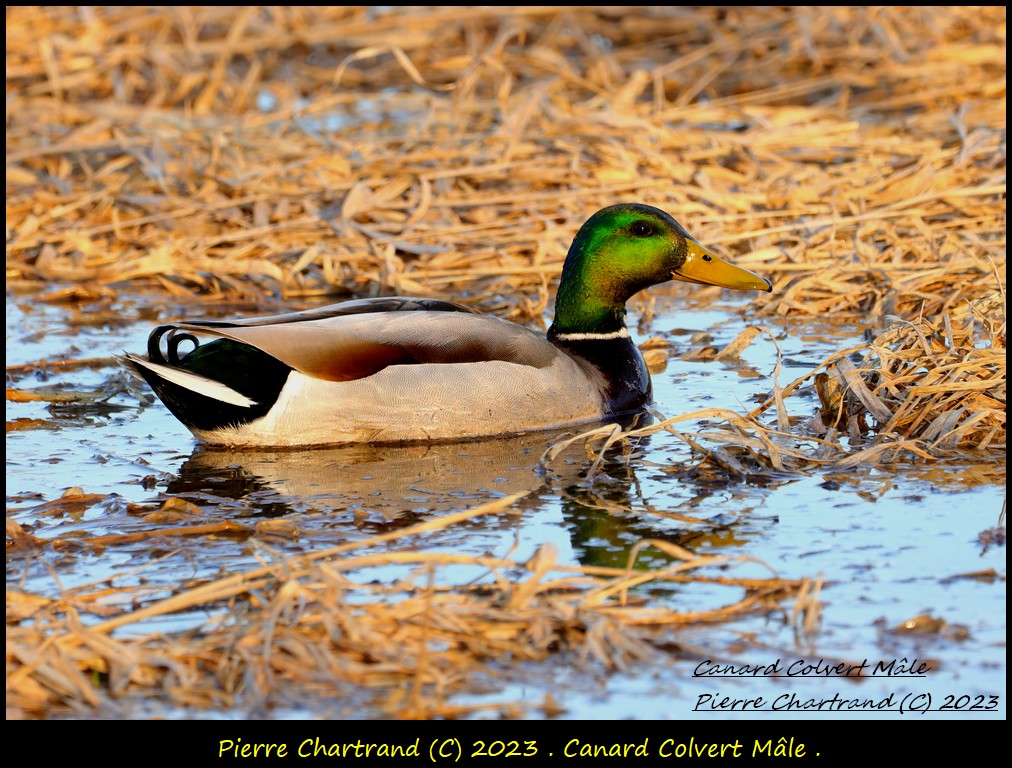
(195, 383)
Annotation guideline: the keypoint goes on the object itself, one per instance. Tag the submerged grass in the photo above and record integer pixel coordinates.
(855, 155)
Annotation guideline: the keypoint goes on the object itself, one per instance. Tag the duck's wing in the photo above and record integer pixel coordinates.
(344, 308)
(343, 343)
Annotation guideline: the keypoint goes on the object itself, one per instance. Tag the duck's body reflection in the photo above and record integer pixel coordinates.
(371, 488)
(381, 482)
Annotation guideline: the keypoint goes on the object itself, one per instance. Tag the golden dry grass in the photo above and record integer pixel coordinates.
(941, 382)
(300, 627)
(921, 388)
(855, 155)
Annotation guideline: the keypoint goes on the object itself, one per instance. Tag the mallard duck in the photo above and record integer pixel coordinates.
(402, 369)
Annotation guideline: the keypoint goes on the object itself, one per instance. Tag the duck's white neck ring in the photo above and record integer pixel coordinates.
(621, 333)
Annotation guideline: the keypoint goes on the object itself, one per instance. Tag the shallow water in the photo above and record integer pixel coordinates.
(892, 542)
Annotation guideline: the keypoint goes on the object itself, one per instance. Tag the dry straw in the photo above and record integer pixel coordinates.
(855, 154)
(305, 627)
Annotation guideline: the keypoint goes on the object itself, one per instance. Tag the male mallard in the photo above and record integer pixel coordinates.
(397, 369)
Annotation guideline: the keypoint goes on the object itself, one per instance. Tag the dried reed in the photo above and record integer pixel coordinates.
(305, 627)
(856, 154)
(920, 388)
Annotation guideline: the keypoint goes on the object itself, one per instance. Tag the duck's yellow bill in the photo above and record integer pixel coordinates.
(707, 268)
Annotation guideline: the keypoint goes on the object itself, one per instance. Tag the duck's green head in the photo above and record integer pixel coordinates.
(623, 249)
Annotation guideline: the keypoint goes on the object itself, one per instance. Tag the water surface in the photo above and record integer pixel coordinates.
(893, 542)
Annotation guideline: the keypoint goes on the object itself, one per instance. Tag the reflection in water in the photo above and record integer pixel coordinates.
(602, 537)
(394, 485)
(383, 482)
(607, 517)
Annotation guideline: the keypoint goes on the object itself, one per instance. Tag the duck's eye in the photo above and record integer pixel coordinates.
(642, 229)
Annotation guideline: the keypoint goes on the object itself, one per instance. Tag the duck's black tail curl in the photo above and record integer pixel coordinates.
(216, 384)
